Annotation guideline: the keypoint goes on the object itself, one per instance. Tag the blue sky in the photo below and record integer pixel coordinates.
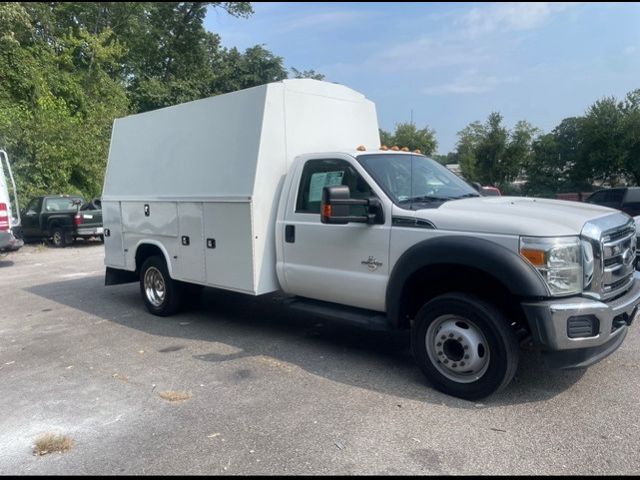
(455, 63)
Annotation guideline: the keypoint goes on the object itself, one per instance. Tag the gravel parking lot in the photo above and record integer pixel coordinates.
(271, 391)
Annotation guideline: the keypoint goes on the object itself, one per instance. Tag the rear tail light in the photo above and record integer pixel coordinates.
(77, 220)
(4, 218)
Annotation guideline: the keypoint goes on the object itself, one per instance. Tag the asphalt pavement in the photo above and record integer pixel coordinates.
(271, 391)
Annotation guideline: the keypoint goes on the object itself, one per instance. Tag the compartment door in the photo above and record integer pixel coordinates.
(228, 246)
(113, 246)
(190, 264)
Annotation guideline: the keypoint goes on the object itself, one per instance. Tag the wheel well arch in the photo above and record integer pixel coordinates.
(54, 223)
(464, 264)
(433, 280)
(150, 248)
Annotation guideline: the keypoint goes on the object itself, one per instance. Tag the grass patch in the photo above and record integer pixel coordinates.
(173, 396)
(51, 443)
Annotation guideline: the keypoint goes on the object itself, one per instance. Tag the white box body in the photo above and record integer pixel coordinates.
(214, 169)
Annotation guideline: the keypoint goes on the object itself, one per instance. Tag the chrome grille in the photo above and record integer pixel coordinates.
(613, 239)
(618, 255)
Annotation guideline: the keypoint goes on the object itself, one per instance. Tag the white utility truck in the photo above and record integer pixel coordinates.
(285, 188)
(9, 209)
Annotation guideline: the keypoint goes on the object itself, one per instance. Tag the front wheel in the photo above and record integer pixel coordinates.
(464, 346)
(162, 295)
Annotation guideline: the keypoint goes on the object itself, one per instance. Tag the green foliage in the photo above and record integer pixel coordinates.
(57, 105)
(448, 159)
(408, 135)
(602, 147)
(68, 69)
(491, 154)
(306, 74)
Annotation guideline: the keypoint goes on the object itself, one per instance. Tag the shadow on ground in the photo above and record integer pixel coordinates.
(79, 243)
(263, 326)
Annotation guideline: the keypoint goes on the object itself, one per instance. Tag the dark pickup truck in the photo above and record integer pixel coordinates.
(62, 218)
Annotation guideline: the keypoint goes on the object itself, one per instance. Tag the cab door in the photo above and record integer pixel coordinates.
(31, 218)
(347, 264)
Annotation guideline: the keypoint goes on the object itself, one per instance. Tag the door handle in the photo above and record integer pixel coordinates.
(290, 233)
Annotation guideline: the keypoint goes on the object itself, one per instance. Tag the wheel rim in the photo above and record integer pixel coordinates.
(57, 238)
(154, 286)
(457, 348)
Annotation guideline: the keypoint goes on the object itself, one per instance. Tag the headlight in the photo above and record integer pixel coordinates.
(559, 261)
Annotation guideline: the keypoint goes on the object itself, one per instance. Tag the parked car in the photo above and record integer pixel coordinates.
(9, 212)
(626, 199)
(62, 218)
(260, 192)
(486, 190)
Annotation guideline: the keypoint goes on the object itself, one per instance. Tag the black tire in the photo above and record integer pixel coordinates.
(500, 363)
(171, 299)
(101, 238)
(59, 238)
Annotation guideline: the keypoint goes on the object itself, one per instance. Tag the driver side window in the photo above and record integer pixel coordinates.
(34, 205)
(318, 174)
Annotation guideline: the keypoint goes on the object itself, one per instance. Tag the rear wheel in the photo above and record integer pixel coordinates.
(162, 295)
(464, 346)
(60, 238)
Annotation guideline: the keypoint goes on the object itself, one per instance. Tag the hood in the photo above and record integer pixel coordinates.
(514, 215)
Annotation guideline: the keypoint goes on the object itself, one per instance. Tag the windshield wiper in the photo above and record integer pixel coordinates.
(466, 195)
(425, 199)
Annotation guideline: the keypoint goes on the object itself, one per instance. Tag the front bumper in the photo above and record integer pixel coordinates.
(549, 322)
(9, 243)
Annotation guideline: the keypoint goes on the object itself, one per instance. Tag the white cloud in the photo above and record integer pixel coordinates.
(425, 53)
(500, 17)
(469, 83)
(322, 20)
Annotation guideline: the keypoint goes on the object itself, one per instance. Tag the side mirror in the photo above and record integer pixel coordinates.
(336, 201)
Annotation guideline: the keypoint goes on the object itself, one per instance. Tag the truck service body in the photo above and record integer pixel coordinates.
(263, 190)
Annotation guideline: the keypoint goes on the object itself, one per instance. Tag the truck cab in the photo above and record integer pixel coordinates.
(561, 272)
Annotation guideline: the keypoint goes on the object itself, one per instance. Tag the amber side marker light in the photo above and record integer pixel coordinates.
(536, 257)
(326, 211)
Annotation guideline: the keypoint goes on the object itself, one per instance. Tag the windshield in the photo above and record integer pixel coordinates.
(415, 181)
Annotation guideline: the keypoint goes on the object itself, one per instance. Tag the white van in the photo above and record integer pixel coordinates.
(286, 188)
(9, 209)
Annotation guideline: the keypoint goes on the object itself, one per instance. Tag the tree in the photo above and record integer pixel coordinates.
(468, 141)
(408, 135)
(631, 134)
(57, 103)
(68, 69)
(491, 154)
(385, 138)
(604, 138)
(306, 74)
